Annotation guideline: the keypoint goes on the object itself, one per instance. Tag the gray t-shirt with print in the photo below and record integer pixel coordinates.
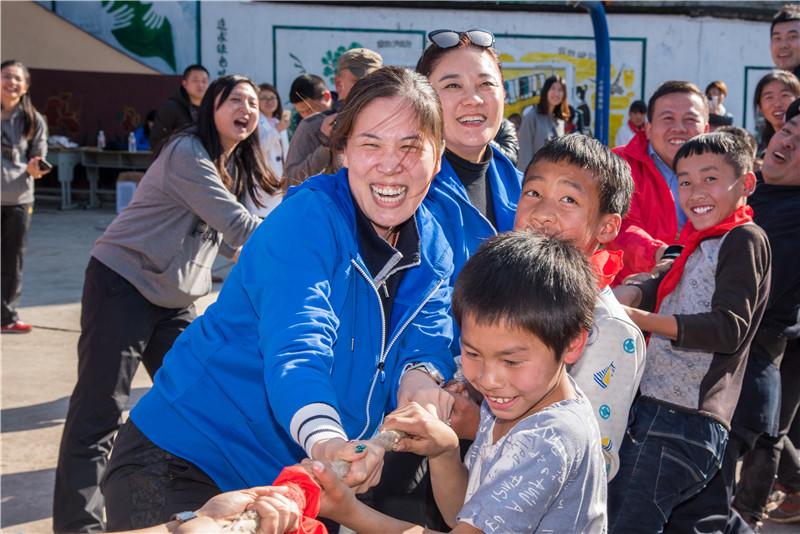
(547, 474)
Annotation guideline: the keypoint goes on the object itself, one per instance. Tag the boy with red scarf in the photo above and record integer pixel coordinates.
(577, 190)
(703, 314)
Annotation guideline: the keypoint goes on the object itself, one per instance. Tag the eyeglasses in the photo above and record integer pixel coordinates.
(451, 38)
(268, 98)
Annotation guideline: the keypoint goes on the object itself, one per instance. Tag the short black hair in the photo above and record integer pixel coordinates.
(638, 106)
(743, 135)
(733, 148)
(307, 87)
(671, 87)
(194, 67)
(611, 171)
(540, 285)
(788, 13)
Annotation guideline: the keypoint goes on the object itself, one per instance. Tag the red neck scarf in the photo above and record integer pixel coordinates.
(690, 239)
(606, 265)
(635, 128)
(305, 492)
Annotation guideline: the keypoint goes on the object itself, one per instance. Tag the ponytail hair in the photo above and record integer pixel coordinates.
(28, 110)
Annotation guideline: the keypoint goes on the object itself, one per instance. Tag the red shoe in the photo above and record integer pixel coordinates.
(17, 327)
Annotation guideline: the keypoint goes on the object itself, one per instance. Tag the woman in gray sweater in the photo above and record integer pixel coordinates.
(24, 147)
(545, 122)
(145, 273)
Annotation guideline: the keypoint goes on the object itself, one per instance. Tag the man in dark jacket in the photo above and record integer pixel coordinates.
(181, 108)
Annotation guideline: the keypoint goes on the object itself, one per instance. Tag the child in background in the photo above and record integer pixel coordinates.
(702, 315)
(536, 463)
(577, 190)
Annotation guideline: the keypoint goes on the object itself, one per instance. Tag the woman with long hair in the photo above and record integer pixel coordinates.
(145, 273)
(336, 312)
(24, 148)
(547, 121)
(773, 94)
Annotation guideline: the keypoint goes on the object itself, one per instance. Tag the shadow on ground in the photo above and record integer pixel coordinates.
(27, 496)
(45, 415)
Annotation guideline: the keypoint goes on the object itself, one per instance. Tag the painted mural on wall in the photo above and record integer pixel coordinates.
(527, 62)
(147, 31)
(292, 56)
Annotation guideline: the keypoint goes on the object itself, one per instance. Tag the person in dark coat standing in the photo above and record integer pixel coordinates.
(181, 108)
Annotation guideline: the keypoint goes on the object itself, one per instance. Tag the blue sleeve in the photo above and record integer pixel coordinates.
(289, 270)
(428, 338)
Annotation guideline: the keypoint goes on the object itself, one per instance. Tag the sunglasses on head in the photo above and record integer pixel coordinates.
(450, 38)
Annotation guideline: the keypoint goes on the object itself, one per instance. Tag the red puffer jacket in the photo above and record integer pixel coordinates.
(651, 222)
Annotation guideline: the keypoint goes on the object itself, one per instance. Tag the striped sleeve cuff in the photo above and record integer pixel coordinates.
(314, 423)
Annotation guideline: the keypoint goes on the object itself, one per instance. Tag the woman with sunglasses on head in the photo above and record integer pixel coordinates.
(336, 312)
(546, 121)
(145, 273)
(24, 149)
(475, 194)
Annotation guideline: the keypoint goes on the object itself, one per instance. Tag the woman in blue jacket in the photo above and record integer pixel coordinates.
(475, 194)
(337, 311)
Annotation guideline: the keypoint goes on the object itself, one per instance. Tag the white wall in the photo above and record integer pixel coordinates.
(677, 47)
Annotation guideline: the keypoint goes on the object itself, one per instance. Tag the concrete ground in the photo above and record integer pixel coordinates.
(39, 369)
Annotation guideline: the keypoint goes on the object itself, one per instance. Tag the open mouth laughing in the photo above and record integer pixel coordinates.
(389, 194)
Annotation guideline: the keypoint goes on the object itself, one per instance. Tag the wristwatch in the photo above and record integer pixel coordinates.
(183, 517)
(425, 367)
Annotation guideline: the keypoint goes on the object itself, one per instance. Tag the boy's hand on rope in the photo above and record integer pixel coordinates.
(427, 434)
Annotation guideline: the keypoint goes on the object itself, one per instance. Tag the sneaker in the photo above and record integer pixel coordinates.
(17, 327)
(788, 511)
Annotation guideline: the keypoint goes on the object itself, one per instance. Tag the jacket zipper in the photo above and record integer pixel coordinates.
(384, 348)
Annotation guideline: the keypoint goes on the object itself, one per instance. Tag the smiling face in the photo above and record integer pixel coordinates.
(563, 201)
(516, 373)
(782, 157)
(785, 45)
(709, 190)
(390, 164)
(471, 91)
(237, 117)
(267, 102)
(775, 99)
(677, 117)
(15, 85)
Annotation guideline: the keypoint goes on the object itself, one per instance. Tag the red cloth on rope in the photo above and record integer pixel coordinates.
(606, 264)
(690, 239)
(305, 492)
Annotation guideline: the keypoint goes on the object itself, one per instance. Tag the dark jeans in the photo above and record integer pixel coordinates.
(667, 456)
(761, 464)
(14, 229)
(144, 484)
(119, 328)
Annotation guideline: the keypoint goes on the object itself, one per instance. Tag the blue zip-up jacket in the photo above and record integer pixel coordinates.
(464, 225)
(293, 347)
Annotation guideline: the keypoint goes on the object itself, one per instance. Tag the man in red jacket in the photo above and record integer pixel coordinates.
(676, 112)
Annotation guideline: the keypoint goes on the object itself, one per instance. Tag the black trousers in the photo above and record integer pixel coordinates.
(761, 464)
(119, 328)
(144, 484)
(14, 224)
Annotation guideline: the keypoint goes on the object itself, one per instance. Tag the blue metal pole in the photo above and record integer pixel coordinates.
(602, 96)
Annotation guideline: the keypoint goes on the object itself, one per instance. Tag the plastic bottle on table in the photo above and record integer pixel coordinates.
(101, 139)
(131, 142)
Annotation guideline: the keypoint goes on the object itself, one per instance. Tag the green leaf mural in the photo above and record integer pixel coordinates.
(141, 30)
(331, 58)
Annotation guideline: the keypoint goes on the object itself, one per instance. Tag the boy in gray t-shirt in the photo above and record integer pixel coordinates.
(536, 464)
(523, 481)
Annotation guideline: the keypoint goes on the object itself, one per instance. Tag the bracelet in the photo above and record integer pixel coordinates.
(427, 368)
